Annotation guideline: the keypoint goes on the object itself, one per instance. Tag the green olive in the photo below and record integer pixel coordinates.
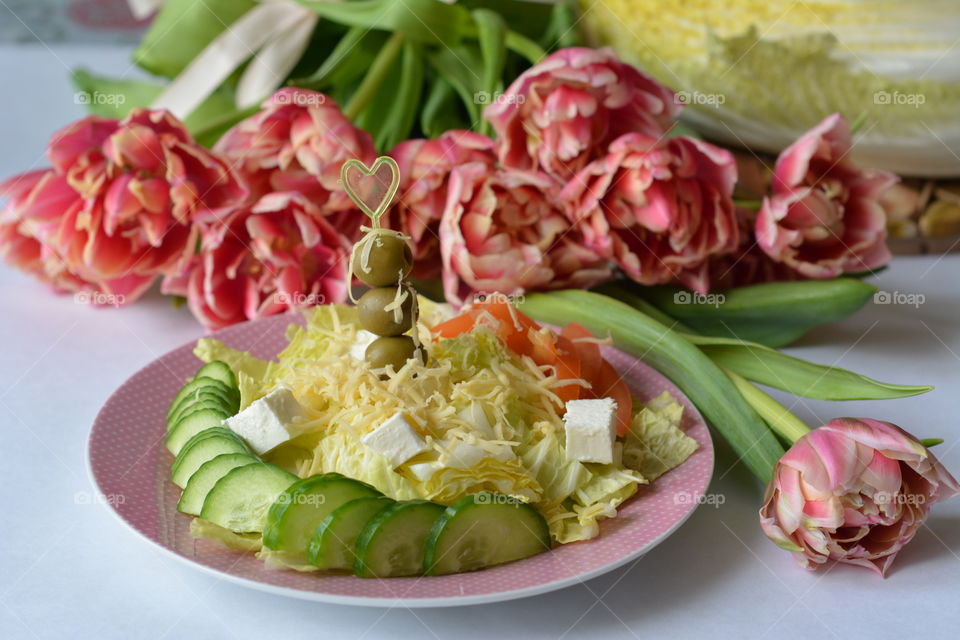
(395, 350)
(374, 319)
(389, 262)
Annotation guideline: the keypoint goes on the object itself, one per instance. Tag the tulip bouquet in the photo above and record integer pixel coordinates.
(574, 177)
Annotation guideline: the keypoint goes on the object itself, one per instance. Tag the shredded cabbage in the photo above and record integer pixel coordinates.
(655, 443)
(472, 393)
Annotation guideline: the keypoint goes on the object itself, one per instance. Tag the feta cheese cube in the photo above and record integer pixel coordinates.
(590, 426)
(359, 348)
(396, 440)
(263, 425)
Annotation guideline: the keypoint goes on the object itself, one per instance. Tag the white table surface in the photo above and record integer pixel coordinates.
(68, 569)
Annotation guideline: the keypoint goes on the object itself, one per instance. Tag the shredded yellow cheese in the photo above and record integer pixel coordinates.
(524, 443)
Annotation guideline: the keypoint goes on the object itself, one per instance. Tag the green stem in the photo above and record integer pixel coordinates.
(525, 47)
(516, 42)
(785, 424)
(227, 120)
(858, 122)
(375, 76)
(752, 205)
(333, 61)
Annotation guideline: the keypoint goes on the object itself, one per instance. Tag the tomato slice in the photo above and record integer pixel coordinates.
(455, 326)
(560, 353)
(588, 350)
(512, 325)
(610, 385)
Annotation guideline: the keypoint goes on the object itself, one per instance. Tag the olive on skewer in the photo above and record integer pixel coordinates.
(382, 259)
(393, 350)
(377, 315)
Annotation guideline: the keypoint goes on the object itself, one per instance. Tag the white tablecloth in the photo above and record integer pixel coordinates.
(69, 569)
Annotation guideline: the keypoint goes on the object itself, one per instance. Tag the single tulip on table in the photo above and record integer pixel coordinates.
(856, 491)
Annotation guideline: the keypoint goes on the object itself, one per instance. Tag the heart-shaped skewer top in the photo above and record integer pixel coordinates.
(371, 188)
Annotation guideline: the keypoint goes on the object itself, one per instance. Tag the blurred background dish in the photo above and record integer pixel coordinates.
(757, 73)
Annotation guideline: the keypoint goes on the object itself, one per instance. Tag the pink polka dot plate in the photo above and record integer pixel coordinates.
(127, 458)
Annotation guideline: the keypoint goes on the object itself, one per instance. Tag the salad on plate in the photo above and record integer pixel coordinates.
(399, 437)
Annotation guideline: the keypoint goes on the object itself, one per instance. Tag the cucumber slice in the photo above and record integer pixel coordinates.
(206, 433)
(218, 370)
(203, 479)
(392, 541)
(239, 500)
(203, 400)
(200, 448)
(483, 530)
(230, 395)
(332, 544)
(294, 517)
(192, 424)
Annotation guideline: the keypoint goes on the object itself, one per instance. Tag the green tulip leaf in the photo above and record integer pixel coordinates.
(459, 66)
(346, 62)
(441, 110)
(770, 367)
(182, 29)
(404, 100)
(530, 19)
(774, 314)
(562, 30)
(424, 21)
(492, 38)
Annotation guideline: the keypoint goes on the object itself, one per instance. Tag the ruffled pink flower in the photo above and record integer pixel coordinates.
(298, 142)
(278, 254)
(824, 216)
(35, 203)
(563, 112)
(855, 491)
(117, 209)
(658, 208)
(501, 232)
(425, 167)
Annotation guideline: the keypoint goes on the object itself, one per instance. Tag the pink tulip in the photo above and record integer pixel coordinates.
(298, 142)
(278, 254)
(855, 491)
(824, 216)
(36, 202)
(658, 208)
(118, 207)
(425, 167)
(501, 232)
(560, 114)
